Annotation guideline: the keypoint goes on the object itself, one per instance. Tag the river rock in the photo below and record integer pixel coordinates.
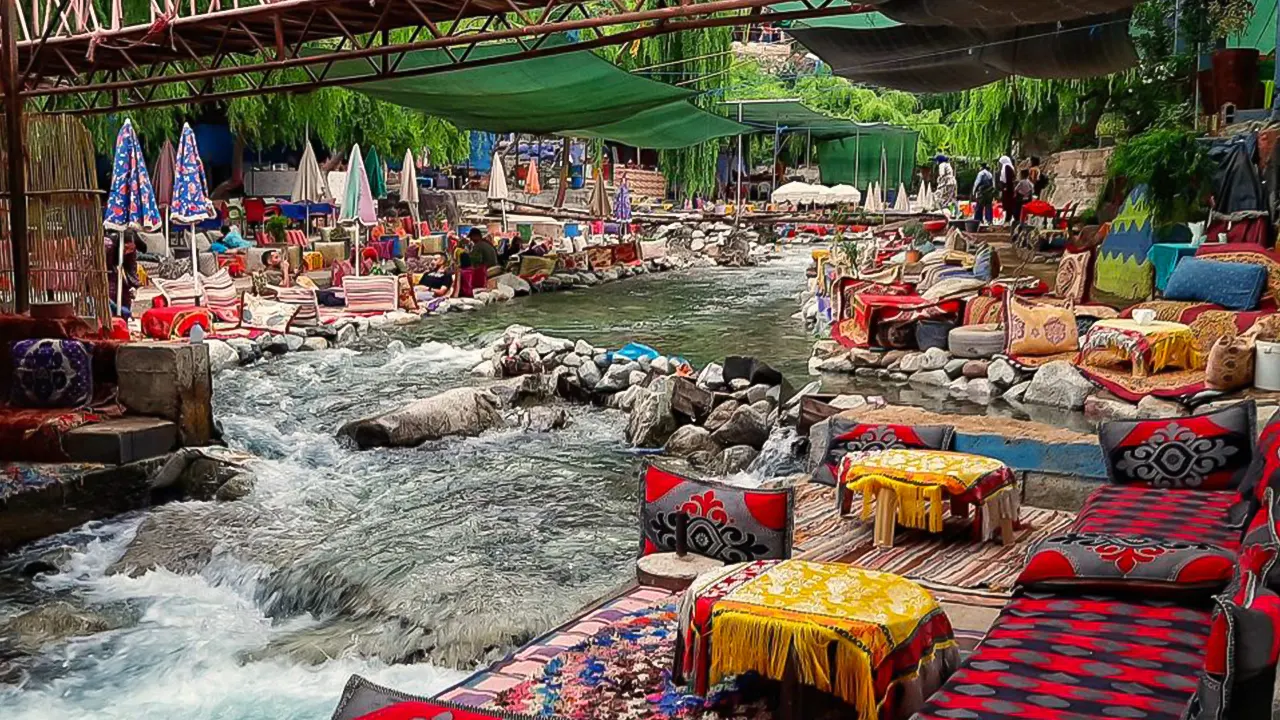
(1102, 406)
(736, 459)
(958, 386)
(936, 378)
(293, 343)
(583, 348)
(520, 390)
(221, 355)
(637, 377)
(980, 390)
(763, 407)
(551, 346)
(954, 368)
(616, 378)
(721, 414)
(347, 334)
(1058, 384)
(892, 358)
(627, 399)
(485, 369)
(52, 623)
(811, 388)
(1017, 392)
(934, 359)
(661, 365)
(848, 402)
(738, 384)
(652, 420)
(974, 369)
(910, 362)
(589, 374)
(237, 487)
(602, 360)
(690, 439)
(460, 411)
(711, 377)
(757, 392)
(545, 419)
(837, 364)
(517, 284)
(572, 360)
(246, 350)
(1153, 407)
(865, 358)
(746, 426)
(1002, 373)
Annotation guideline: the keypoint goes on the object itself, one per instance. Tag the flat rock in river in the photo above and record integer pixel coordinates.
(460, 411)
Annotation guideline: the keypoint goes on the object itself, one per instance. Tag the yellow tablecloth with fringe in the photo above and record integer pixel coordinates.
(1148, 347)
(923, 479)
(749, 617)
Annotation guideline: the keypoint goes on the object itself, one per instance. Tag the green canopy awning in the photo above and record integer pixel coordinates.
(795, 116)
(575, 94)
(854, 21)
(1261, 32)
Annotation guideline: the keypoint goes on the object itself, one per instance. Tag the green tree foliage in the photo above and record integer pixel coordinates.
(1173, 165)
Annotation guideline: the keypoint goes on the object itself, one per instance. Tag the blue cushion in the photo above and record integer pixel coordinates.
(1234, 286)
(982, 269)
(51, 374)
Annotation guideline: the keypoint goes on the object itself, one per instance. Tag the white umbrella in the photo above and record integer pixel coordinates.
(309, 185)
(900, 202)
(869, 204)
(794, 192)
(357, 202)
(498, 187)
(409, 187)
(846, 194)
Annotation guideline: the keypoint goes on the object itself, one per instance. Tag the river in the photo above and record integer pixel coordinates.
(446, 555)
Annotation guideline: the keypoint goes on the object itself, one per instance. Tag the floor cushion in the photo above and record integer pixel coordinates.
(1033, 329)
(1234, 286)
(175, 322)
(221, 296)
(728, 523)
(1104, 562)
(363, 700)
(1174, 514)
(1210, 451)
(371, 293)
(1231, 364)
(1049, 656)
(304, 298)
(51, 373)
(1072, 281)
(976, 341)
(265, 314)
(1238, 679)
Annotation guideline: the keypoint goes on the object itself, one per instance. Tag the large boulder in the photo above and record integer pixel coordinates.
(746, 426)
(736, 459)
(518, 285)
(589, 375)
(1058, 384)
(711, 377)
(1153, 407)
(690, 439)
(221, 355)
(652, 421)
(617, 378)
(1002, 373)
(461, 411)
(721, 414)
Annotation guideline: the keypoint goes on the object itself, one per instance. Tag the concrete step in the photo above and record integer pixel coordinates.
(121, 441)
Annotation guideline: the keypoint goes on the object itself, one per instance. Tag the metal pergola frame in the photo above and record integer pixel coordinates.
(70, 64)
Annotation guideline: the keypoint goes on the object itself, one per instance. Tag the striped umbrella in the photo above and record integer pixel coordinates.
(358, 206)
(377, 177)
(622, 203)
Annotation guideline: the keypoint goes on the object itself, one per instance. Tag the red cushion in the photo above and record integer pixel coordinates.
(1211, 451)
(1188, 515)
(1088, 561)
(1049, 656)
(726, 522)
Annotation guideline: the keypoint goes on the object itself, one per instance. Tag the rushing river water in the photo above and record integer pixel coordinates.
(446, 555)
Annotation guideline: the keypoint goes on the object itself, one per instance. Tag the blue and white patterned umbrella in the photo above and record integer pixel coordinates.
(622, 203)
(131, 203)
(190, 203)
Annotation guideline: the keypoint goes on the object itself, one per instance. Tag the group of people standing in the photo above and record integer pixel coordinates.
(1014, 187)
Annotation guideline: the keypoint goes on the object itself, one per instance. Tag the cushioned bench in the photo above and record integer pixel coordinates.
(1190, 515)
(1050, 656)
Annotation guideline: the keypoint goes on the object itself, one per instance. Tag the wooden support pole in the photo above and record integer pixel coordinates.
(16, 159)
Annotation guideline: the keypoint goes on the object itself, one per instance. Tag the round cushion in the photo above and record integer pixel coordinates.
(976, 341)
(933, 333)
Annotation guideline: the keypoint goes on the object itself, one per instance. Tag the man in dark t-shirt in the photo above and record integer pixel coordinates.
(437, 278)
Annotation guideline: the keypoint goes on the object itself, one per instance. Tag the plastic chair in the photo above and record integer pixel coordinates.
(255, 212)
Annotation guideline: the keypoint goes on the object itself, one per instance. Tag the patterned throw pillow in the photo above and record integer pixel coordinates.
(1230, 365)
(51, 373)
(846, 436)
(262, 314)
(1212, 451)
(404, 289)
(1263, 473)
(728, 523)
(1072, 282)
(1238, 679)
(1089, 561)
(1032, 329)
(1234, 286)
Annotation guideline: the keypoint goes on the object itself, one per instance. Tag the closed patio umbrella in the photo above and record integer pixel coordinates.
(498, 187)
(377, 176)
(532, 183)
(163, 178)
(131, 202)
(191, 202)
(599, 198)
(409, 187)
(358, 207)
(308, 184)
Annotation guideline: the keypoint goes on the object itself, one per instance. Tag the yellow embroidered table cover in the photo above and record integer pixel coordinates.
(1149, 347)
(749, 615)
(922, 479)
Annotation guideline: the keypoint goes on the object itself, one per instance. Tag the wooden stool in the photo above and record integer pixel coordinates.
(670, 571)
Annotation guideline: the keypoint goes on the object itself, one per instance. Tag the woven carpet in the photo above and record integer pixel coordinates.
(949, 563)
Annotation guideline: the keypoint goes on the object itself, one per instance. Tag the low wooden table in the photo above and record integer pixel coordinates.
(1148, 347)
(909, 487)
(854, 633)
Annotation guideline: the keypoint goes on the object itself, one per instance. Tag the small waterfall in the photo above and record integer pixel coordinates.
(776, 457)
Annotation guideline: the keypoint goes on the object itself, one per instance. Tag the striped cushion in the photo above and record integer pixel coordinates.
(296, 237)
(375, 293)
(305, 298)
(181, 291)
(221, 296)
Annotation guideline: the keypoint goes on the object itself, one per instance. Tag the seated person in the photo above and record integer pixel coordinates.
(232, 238)
(275, 271)
(437, 281)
